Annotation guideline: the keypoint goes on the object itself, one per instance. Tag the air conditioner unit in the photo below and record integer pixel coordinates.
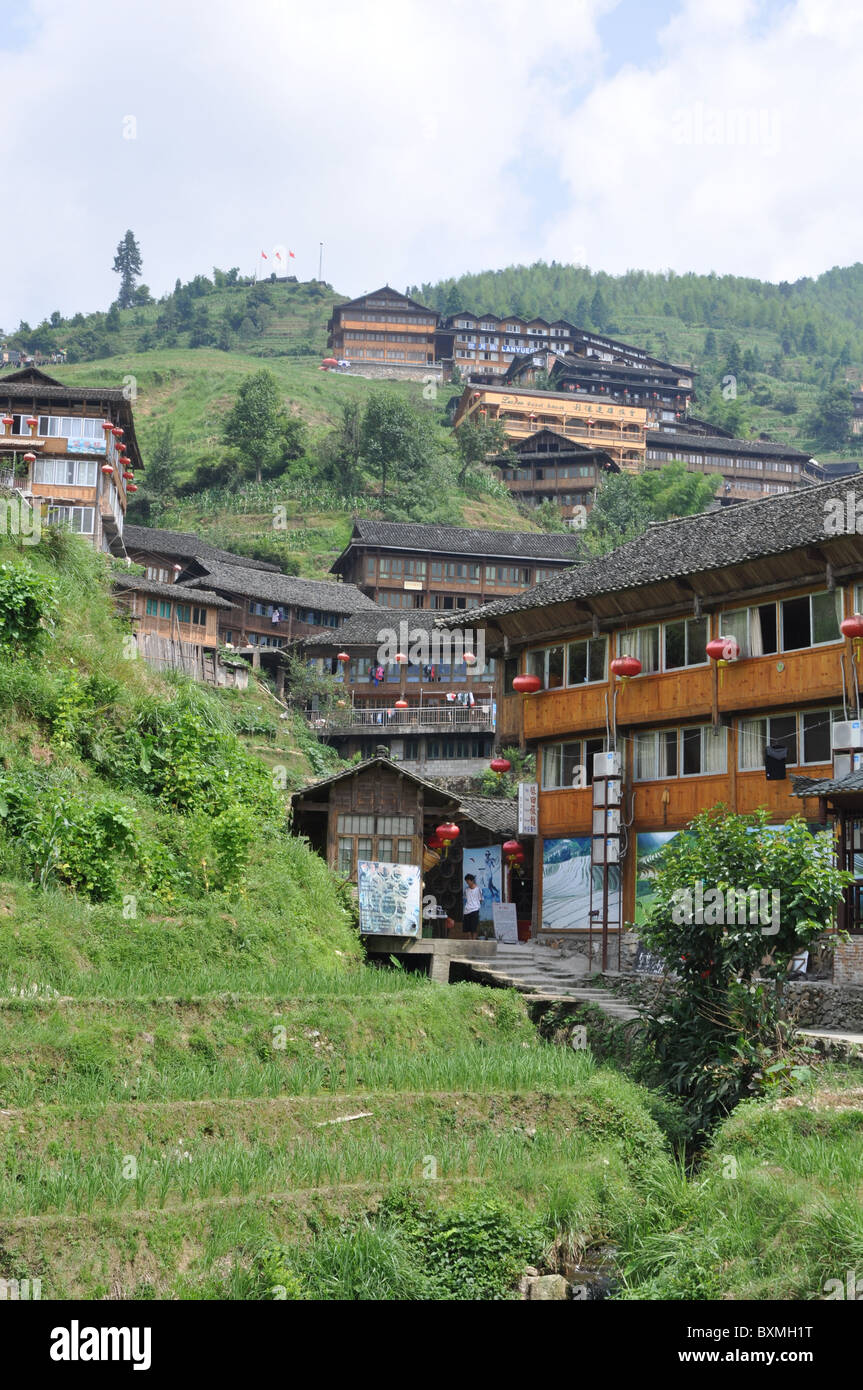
(846, 763)
(847, 734)
(607, 765)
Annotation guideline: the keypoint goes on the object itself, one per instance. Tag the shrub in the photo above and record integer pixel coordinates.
(27, 601)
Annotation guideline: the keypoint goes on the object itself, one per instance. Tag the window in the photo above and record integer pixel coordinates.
(81, 520)
(569, 764)
(685, 643)
(65, 472)
(808, 621)
(199, 617)
(642, 643)
(370, 566)
(691, 752)
(655, 755)
(184, 612)
(373, 837)
(164, 608)
(586, 661)
(800, 733)
(548, 664)
(152, 608)
(70, 427)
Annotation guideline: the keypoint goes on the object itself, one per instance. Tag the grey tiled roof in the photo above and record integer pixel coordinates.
(271, 587)
(185, 544)
(366, 628)
(726, 444)
(137, 584)
(496, 813)
(827, 786)
(464, 540)
(690, 545)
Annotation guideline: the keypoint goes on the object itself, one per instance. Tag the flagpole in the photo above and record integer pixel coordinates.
(321, 262)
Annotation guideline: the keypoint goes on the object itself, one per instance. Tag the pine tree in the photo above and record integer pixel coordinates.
(127, 264)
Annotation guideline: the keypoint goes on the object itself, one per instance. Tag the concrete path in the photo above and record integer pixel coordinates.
(536, 970)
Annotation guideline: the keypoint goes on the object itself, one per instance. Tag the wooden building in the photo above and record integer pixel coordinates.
(381, 812)
(546, 467)
(386, 329)
(778, 576)
(410, 565)
(745, 468)
(434, 712)
(663, 390)
(71, 451)
(595, 423)
(264, 609)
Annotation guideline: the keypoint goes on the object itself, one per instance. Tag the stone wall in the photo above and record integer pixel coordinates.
(431, 372)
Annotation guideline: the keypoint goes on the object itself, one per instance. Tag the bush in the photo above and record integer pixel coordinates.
(27, 602)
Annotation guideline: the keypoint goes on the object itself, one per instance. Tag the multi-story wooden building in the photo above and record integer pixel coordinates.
(663, 390)
(171, 555)
(545, 467)
(778, 576)
(410, 565)
(595, 423)
(71, 450)
(746, 468)
(383, 329)
(432, 712)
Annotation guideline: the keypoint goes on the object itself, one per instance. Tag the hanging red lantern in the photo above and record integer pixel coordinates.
(526, 685)
(107, 425)
(401, 704)
(107, 469)
(625, 667)
(121, 449)
(401, 659)
(8, 420)
(469, 658)
(117, 432)
(29, 458)
(343, 656)
(852, 627)
(723, 649)
(133, 487)
(33, 421)
(512, 852)
(447, 833)
(500, 765)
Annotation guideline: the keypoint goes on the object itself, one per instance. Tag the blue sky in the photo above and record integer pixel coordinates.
(422, 141)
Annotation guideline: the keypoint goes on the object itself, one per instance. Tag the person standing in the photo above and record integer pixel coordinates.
(472, 901)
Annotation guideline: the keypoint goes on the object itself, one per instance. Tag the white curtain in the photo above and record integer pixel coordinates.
(714, 746)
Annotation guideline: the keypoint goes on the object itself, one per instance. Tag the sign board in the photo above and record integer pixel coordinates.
(505, 923)
(528, 808)
(485, 865)
(389, 897)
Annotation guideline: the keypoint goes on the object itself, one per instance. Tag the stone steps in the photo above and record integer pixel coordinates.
(527, 969)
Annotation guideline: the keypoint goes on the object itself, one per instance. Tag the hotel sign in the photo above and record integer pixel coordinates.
(528, 808)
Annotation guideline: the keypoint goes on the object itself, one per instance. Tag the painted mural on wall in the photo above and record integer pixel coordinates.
(389, 898)
(566, 875)
(485, 865)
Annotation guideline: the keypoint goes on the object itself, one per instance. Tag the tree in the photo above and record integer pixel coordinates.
(477, 442)
(626, 503)
(258, 431)
(161, 469)
(808, 340)
(393, 436)
(598, 311)
(127, 264)
(733, 901)
(830, 421)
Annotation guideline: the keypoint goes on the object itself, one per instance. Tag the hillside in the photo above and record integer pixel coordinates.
(783, 343)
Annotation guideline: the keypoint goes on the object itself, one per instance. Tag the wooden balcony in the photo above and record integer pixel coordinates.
(417, 719)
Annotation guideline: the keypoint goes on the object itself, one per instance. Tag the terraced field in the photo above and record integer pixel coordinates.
(150, 1146)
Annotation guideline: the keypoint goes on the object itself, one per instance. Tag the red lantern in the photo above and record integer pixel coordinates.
(8, 420)
(121, 449)
(129, 477)
(343, 656)
(500, 765)
(133, 487)
(117, 432)
(401, 659)
(435, 842)
(469, 658)
(401, 704)
(106, 426)
(527, 685)
(32, 420)
(511, 850)
(723, 649)
(447, 834)
(852, 627)
(107, 469)
(626, 667)
(29, 458)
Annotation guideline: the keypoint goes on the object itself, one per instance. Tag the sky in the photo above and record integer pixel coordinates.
(421, 140)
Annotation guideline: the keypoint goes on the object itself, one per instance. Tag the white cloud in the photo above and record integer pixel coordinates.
(415, 140)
